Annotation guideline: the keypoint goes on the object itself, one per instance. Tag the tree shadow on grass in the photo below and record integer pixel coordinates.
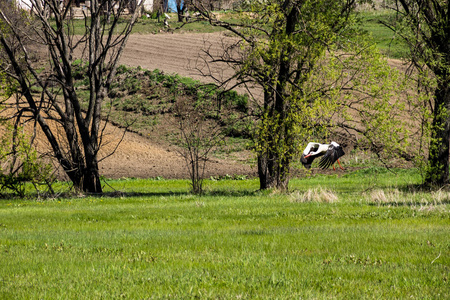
(182, 194)
(129, 194)
(409, 203)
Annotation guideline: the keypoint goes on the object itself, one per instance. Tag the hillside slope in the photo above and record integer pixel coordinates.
(150, 155)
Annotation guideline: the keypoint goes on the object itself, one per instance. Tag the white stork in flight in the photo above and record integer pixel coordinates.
(330, 152)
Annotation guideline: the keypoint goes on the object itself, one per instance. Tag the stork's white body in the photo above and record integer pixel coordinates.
(321, 148)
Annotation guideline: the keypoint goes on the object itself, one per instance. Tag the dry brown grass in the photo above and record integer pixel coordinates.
(318, 195)
(382, 197)
(421, 201)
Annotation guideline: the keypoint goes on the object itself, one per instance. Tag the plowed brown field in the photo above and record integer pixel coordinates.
(146, 157)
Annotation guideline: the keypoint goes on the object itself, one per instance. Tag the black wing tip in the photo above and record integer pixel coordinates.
(331, 156)
(325, 162)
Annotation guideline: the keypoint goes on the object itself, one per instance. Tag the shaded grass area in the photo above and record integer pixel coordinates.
(152, 239)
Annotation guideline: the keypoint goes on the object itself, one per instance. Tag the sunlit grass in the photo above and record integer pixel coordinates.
(364, 234)
(386, 40)
(375, 237)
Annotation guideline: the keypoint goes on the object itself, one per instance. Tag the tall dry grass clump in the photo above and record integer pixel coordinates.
(440, 197)
(416, 200)
(381, 197)
(319, 195)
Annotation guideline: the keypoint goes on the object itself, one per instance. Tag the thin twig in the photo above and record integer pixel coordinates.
(436, 258)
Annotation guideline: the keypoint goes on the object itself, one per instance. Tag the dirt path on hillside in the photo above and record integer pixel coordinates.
(172, 53)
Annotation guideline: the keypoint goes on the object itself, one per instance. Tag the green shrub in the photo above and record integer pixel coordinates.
(20, 163)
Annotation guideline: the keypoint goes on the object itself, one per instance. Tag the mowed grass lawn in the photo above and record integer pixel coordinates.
(362, 235)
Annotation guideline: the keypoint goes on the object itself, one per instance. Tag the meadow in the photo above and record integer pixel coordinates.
(366, 234)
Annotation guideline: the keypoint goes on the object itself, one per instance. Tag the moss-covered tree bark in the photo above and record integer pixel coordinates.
(425, 26)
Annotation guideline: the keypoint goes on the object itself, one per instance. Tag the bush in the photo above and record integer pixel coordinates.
(20, 163)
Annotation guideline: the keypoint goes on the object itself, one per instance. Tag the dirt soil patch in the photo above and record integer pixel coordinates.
(151, 156)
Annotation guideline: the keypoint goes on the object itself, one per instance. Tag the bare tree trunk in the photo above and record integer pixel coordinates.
(91, 176)
(181, 9)
(75, 142)
(265, 172)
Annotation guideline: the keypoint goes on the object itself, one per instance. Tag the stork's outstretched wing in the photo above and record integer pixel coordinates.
(331, 156)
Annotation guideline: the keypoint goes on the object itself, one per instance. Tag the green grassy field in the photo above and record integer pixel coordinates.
(368, 234)
(389, 43)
